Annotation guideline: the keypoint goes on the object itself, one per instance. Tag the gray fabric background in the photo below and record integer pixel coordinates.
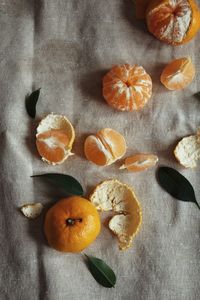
(65, 47)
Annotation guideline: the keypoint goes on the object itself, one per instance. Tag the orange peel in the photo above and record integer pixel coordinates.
(112, 195)
(55, 136)
(187, 151)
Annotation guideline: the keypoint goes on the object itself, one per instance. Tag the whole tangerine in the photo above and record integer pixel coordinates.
(72, 224)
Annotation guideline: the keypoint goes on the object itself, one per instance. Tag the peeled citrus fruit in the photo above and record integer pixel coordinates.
(54, 139)
(72, 224)
(127, 87)
(173, 21)
(105, 147)
(139, 162)
(187, 151)
(178, 74)
(112, 195)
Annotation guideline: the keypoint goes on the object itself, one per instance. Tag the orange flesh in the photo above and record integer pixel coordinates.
(140, 162)
(105, 147)
(127, 87)
(178, 74)
(52, 145)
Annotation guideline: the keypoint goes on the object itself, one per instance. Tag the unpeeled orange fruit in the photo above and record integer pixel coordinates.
(105, 147)
(178, 74)
(72, 224)
(127, 87)
(173, 21)
(54, 139)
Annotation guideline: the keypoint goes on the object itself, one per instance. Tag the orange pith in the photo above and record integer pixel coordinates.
(72, 224)
(127, 87)
(173, 21)
(52, 145)
(178, 74)
(105, 147)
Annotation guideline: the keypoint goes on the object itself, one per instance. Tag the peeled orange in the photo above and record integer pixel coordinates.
(72, 224)
(178, 74)
(105, 147)
(54, 139)
(173, 21)
(127, 87)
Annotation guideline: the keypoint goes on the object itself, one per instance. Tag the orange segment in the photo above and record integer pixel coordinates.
(127, 87)
(52, 145)
(105, 147)
(139, 162)
(95, 151)
(178, 74)
(174, 22)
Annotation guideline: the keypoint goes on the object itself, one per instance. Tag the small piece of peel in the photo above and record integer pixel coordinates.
(187, 152)
(121, 199)
(32, 210)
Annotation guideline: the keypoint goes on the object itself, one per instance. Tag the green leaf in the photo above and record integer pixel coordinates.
(176, 185)
(101, 272)
(31, 102)
(66, 182)
(197, 95)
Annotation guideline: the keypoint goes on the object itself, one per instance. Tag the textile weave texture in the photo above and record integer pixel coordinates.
(65, 47)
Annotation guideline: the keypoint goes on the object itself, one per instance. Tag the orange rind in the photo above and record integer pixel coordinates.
(54, 139)
(112, 195)
(174, 22)
(32, 210)
(187, 152)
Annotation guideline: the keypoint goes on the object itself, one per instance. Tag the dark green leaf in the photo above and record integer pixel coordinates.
(66, 182)
(176, 185)
(31, 102)
(101, 272)
(197, 95)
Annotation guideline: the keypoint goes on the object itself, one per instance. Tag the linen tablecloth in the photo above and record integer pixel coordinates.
(65, 47)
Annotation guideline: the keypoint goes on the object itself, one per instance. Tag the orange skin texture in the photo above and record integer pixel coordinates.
(72, 238)
(193, 27)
